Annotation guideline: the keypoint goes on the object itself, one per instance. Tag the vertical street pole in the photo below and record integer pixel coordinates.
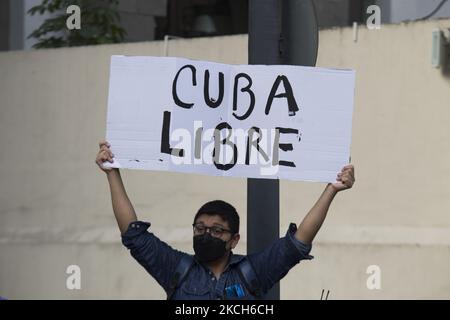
(263, 203)
(279, 32)
(300, 33)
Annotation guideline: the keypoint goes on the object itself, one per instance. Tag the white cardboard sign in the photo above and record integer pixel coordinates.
(276, 122)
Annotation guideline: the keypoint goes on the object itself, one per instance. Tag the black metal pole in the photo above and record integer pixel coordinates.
(263, 200)
(296, 20)
(300, 33)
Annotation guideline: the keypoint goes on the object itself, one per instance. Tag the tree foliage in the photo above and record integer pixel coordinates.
(100, 23)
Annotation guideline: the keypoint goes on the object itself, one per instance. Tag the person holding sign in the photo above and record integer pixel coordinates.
(214, 272)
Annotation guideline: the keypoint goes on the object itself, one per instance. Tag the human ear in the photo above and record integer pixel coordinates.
(234, 240)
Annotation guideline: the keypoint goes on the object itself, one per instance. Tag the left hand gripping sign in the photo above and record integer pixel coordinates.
(276, 122)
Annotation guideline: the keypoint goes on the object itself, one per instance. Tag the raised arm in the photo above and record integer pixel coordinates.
(122, 207)
(316, 216)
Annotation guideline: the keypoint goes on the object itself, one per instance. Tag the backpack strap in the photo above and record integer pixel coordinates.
(249, 277)
(183, 267)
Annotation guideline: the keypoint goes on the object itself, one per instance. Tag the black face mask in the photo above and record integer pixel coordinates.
(208, 248)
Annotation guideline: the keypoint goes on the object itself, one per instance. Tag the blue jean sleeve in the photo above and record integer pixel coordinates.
(157, 257)
(303, 248)
(275, 261)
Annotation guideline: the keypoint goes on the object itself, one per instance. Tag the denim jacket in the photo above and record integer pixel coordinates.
(160, 260)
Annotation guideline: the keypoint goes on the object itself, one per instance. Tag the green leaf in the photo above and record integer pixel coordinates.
(100, 23)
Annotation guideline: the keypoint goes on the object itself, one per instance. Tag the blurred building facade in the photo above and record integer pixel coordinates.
(146, 20)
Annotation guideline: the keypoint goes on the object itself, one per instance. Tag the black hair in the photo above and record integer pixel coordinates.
(224, 210)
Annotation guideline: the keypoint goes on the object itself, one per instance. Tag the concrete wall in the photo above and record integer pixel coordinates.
(55, 208)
